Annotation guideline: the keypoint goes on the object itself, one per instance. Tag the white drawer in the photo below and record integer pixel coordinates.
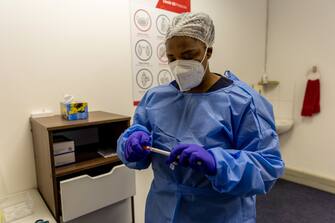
(120, 212)
(85, 194)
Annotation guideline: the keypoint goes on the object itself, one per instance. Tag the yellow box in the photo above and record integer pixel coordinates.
(74, 110)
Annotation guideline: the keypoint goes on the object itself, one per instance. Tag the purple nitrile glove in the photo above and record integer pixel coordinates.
(194, 156)
(134, 150)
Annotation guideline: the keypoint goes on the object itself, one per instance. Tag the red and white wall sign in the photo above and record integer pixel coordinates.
(177, 6)
(149, 23)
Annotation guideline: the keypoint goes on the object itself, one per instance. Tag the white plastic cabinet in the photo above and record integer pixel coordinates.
(85, 194)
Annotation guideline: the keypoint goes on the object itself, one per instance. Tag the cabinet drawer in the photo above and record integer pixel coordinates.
(120, 212)
(84, 194)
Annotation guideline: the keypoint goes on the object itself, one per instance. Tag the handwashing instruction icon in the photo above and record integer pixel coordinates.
(144, 78)
(162, 24)
(161, 53)
(142, 20)
(164, 77)
(143, 50)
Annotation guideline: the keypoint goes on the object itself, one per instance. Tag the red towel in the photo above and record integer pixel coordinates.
(311, 103)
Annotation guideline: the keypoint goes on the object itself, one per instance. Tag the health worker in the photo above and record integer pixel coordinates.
(220, 132)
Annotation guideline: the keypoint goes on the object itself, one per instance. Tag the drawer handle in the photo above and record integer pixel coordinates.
(106, 174)
(95, 177)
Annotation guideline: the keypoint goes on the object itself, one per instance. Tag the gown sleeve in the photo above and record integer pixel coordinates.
(140, 123)
(253, 166)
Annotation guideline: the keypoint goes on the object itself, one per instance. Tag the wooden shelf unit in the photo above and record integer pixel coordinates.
(105, 128)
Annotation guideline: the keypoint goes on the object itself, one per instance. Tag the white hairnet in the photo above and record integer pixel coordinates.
(196, 25)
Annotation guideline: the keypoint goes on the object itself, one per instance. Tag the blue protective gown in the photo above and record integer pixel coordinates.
(236, 125)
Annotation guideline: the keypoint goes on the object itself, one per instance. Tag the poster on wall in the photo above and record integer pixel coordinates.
(149, 22)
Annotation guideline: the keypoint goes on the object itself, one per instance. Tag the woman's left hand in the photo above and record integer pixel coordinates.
(194, 156)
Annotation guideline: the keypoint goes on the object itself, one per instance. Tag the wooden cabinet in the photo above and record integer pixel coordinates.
(84, 182)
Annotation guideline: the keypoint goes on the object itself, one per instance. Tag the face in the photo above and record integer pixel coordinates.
(187, 48)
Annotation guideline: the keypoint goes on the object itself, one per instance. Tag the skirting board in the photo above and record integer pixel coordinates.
(310, 180)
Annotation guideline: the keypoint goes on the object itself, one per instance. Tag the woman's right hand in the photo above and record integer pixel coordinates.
(134, 146)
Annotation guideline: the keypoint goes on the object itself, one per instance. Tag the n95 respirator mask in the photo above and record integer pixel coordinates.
(188, 73)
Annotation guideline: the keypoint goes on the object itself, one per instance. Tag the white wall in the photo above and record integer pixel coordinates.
(302, 34)
(240, 35)
(48, 48)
